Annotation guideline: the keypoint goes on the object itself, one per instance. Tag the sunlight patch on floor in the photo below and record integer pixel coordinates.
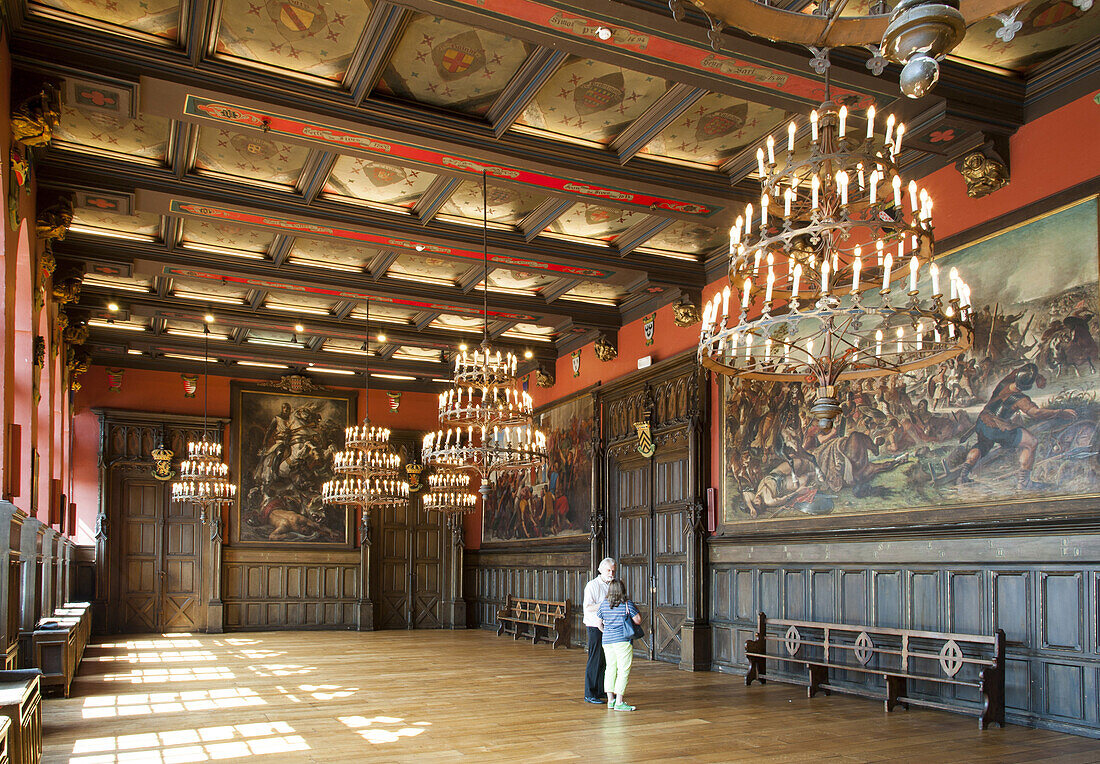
(152, 676)
(139, 704)
(383, 729)
(187, 745)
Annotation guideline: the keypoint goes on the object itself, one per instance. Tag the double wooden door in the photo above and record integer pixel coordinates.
(411, 590)
(159, 552)
(648, 542)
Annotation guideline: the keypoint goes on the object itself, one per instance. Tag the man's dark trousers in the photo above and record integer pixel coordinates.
(594, 669)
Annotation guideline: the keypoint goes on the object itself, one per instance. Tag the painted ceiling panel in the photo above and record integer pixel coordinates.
(228, 236)
(685, 236)
(158, 18)
(383, 184)
(427, 355)
(347, 347)
(458, 323)
(598, 294)
(249, 157)
(533, 332)
(592, 101)
(286, 338)
(713, 129)
(195, 288)
(333, 255)
(99, 131)
(594, 221)
(507, 204)
(122, 283)
(427, 269)
(1047, 26)
(507, 280)
(298, 303)
(298, 37)
(448, 64)
(140, 225)
(387, 314)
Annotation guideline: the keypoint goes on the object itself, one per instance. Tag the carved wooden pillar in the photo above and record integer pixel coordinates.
(102, 529)
(365, 618)
(695, 634)
(214, 610)
(454, 605)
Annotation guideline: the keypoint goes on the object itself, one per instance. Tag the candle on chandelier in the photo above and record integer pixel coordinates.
(913, 265)
(901, 335)
(953, 274)
(842, 184)
(725, 302)
(920, 335)
(878, 251)
(790, 137)
(934, 272)
(843, 120)
(796, 277)
(748, 218)
(810, 351)
(878, 343)
(913, 197)
(770, 282)
(760, 162)
(870, 121)
(756, 263)
(748, 345)
(887, 264)
(896, 182)
(767, 349)
(815, 184)
(765, 200)
(873, 184)
(824, 276)
(788, 197)
(897, 138)
(771, 149)
(890, 130)
(745, 295)
(813, 125)
(857, 265)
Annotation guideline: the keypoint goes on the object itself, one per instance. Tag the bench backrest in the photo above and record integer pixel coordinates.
(937, 656)
(543, 611)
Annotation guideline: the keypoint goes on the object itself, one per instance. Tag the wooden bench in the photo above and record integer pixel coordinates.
(21, 704)
(904, 658)
(519, 613)
(58, 650)
(5, 726)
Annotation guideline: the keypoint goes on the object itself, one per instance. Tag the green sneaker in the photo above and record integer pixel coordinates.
(622, 707)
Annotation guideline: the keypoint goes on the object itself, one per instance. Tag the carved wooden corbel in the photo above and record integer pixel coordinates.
(35, 119)
(605, 348)
(985, 169)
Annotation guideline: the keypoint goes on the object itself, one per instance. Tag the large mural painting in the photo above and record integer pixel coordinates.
(1013, 419)
(552, 503)
(283, 445)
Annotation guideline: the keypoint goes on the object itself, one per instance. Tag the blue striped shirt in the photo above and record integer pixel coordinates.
(616, 626)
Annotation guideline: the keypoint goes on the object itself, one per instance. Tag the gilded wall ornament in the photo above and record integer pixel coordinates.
(54, 221)
(34, 120)
(544, 377)
(686, 314)
(605, 349)
(983, 174)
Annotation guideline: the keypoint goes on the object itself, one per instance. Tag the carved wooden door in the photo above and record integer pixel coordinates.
(159, 555)
(632, 539)
(426, 538)
(411, 590)
(669, 552)
(396, 571)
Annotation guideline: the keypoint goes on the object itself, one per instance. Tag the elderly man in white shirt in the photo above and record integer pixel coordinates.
(595, 592)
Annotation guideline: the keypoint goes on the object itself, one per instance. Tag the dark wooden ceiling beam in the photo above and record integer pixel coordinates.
(199, 21)
(280, 249)
(382, 32)
(469, 280)
(546, 213)
(380, 265)
(557, 289)
(639, 233)
(435, 197)
(656, 118)
(181, 142)
(523, 87)
(315, 172)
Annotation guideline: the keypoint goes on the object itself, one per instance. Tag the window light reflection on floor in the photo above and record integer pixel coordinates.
(187, 745)
(138, 704)
(149, 676)
(383, 729)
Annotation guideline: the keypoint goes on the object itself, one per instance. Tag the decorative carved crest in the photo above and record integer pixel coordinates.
(67, 282)
(649, 327)
(686, 314)
(77, 362)
(605, 349)
(293, 383)
(190, 385)
(53, 221)
(413, 470)
(645, 439)
(544, 377)
(162, 463)
(984, 173)
(34, 120)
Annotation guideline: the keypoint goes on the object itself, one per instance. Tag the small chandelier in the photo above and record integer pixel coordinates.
(449, 492)
(486, 415)
(203, 476)
(368, 469)
(829, 270)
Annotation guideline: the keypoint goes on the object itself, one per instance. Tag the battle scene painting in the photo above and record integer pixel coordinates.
(1012, 419)
(551, 503)
(283, 445)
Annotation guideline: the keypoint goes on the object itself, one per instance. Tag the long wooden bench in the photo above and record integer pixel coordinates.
(57, 645)
(21, 704)
(523, 617)
(971, 664)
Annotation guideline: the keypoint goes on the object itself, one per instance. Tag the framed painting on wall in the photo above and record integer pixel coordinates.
(281, 453)
(550, 504)
(1007, 430)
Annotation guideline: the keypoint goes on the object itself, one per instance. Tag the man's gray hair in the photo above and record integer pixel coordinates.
(605, 563)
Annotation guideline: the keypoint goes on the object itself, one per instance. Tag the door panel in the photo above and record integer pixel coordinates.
(141, 528)
(428, 568)
(394, 595)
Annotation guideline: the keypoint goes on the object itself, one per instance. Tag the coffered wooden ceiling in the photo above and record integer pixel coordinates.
(280, 162)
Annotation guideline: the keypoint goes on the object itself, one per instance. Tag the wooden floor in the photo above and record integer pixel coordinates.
(445, 696)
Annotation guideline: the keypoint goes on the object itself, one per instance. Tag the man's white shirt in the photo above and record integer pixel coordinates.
(595, 592)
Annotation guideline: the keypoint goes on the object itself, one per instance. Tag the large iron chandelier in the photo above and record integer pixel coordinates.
(203, 476)
(449, 492)
(485, 418)
(368, 470)
(834, 270)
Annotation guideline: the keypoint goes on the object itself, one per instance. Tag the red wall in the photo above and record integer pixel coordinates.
(162, 392)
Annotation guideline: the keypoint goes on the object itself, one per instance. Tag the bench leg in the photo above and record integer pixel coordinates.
(500, 628)
(758, 666)
(993, 697)
(534, 635)
(559, 638)
(895, 689)
(819, 675)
